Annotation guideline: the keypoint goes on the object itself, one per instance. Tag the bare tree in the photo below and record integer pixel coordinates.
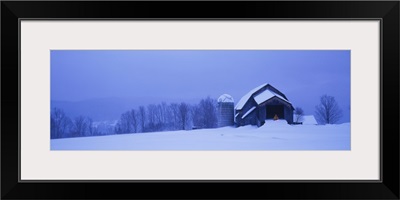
(205, 114)
(299, 113)
(142, 118)
(92, 129)
(60, 124)
(183, 114)
(151, 113)
(166, 113)
(196, 118)
(124, 123)
(153, 116)
(118, 128)
(166, 116)
(328, 111)
(134, 120)
(80, 126)
(159, 115)
(127, 122)
(175, 119)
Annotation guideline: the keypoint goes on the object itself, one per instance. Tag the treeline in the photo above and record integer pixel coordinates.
(169, 117)
(150, 118)
(61, 126)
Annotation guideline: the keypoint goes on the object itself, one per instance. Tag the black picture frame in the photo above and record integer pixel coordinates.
(13, 11)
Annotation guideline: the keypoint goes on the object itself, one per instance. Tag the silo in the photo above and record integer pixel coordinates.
(225, 110)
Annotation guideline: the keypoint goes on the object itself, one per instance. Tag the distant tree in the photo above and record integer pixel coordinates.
(53, 133)
(142, 118)
(118, 128)
(299, 113)
(60, 124)
(328, 111)
(196, 116)
(151, 116)
(159, 116)
(164, 117)
(127, 123)
(206, 114)
(92, 129)
(80, 126)
(175, 119)
(124, 123)
(183, 114)
(154, 118)
(134, 120)
(166, 114)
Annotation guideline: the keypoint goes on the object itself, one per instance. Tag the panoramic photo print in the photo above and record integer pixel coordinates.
(200, 100)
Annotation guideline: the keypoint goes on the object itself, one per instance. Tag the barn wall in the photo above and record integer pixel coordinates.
(262, 114)
(249, 104)
(288, 114)
(251, 118)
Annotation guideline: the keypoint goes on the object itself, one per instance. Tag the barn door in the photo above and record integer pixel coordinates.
(273, 110)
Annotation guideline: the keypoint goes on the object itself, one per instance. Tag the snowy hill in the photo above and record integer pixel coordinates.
(273, 135)
(307, 119)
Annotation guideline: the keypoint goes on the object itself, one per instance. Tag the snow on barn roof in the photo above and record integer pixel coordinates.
(267, 94)
(260, 98)
(225, 98)
(248, 112)
(247, 96)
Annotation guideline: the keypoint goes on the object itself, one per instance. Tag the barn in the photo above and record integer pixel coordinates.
(262, 103)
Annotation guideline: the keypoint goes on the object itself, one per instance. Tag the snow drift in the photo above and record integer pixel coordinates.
(273, 135)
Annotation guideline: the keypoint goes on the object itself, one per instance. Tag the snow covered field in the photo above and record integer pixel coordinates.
(274, 135)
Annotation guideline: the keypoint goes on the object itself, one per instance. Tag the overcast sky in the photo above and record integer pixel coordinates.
(302, 75)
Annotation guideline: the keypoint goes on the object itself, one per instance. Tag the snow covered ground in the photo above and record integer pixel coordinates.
(274, 135)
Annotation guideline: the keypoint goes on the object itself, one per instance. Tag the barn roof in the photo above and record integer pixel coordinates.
(260, 97)
(267, 94)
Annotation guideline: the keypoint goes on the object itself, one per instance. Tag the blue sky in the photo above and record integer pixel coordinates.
(302, 75)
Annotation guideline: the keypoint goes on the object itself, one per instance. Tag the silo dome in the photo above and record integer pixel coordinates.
(225, 110)
(226, 98)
